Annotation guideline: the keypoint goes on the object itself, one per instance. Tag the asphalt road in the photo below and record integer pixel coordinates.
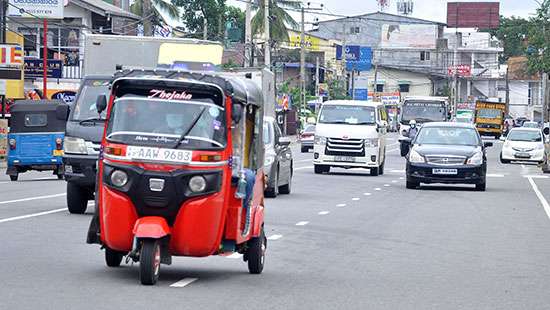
(340, 241)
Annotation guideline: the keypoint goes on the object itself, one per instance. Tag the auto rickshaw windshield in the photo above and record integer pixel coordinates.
(148, 121)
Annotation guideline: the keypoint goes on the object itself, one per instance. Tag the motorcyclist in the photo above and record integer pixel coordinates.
(413, 130)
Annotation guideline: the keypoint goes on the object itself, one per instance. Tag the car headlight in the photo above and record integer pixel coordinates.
(372, 142)
(476, 159)
(119, 178)
(320, 140)
(415, 157)
(197, 184)
(75, 145)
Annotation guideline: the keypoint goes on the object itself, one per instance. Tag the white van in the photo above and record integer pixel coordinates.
(350, 134)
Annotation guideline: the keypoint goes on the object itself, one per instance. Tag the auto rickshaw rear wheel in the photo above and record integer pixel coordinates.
(113, 258)
(14, 177)
(256, 253)
(149, 261)
(77, 198)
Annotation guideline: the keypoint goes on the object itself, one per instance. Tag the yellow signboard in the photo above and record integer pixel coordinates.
(312, 43)
(15, 88)
(196, 52)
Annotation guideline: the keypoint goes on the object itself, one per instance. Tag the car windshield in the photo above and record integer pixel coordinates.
(525, 136)
(447, 136)
(348, 114)
(84, 107)
(146, 121)
(423, 111)
(489, 113)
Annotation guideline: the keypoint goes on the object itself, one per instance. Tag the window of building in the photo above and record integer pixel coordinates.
(424, 56)
(529, 95)
(355, 30)
(63, 43)
(404, 87)
(379, 88)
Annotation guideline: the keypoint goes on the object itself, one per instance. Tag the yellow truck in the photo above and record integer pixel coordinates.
(490, 118)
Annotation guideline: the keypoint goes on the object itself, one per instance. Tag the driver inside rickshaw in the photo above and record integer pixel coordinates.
(243, 155)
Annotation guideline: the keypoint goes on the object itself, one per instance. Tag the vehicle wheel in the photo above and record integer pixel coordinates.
(113, 258)
(321, 169)
(287, 188)
(273, 192)
(60, 176)
(149, 262)
(256, 253)
(304, 149)
(412, 185)
(481, 187)
(504, 161)
(14, 177)
(375, 171)
(404, 149)
(77, 199)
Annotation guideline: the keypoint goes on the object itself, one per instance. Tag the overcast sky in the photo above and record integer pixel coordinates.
(435, 10)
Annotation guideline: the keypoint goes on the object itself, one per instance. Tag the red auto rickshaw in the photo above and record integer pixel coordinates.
(180, 171)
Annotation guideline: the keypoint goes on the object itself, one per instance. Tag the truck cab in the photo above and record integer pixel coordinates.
(490, 118)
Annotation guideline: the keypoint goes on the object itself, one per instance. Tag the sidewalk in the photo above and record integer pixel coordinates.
(3, 163)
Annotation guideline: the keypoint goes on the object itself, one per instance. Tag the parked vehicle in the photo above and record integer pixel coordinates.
(448, 153)
(182, 170)
(350, 134)
(82, 143)
(523, 144)
(307, 137)
(490, 118)
(421, 109)
(36, 136)
(278, 164)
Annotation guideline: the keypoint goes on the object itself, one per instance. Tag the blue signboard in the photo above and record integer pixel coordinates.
(34, 68)
(358, 58)
(361, 94)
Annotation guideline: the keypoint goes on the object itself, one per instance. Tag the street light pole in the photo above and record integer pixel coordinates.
(248, 35)
(267, 44)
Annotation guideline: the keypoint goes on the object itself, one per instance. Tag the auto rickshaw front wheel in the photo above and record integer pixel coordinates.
(113, 258)
(14, 177)
(149, 262)
(256, 253)
(77, 199)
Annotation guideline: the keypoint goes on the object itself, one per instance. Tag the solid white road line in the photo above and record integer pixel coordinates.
(301, 168)
(536, 176)
(323, 212)
(341, 205)
(302, 223)
(274, 237)
(543, 201)
(10, 219)
(494, 175)
(32, 198)
(235, 255)
(184, 282)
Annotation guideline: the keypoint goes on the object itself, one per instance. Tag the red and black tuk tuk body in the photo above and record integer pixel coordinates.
(180, 171)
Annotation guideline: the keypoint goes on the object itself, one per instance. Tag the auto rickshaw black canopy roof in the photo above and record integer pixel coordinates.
(242, 90)
(21, 108)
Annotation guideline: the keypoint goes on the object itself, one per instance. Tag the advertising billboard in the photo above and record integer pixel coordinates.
(473, 15)
(51, 9)
(358, 58)
(409, 36)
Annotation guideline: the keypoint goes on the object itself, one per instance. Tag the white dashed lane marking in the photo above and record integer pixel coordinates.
(367, 194)
(10, 219)
(32, 198)
(355, 198)
(386, 185)
(274, 237)
(378, 189)
(302, 223)
(184, 282)
(302, 168)
(341, 205)
(323, 213)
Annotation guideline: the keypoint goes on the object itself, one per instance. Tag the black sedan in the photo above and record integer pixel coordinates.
(448, 153)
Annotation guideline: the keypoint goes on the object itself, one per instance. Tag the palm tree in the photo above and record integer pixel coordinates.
(279, 21)
(150, 9)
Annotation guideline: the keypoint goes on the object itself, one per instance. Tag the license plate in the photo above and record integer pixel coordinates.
(445, 171)
(523, 155)
(57, 152)
(344, 158)
(158, 154)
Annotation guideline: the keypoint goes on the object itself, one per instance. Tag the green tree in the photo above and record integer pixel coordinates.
(149, 10)
(512, 32)
(279, 18)
(539, 40)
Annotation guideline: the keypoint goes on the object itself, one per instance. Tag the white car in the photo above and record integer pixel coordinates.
(523, 144)
(350, 134)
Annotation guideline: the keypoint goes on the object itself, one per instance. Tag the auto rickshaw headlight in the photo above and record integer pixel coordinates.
(197, 184)
(119, 178)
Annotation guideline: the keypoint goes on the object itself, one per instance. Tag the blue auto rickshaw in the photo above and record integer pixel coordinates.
(35, 138)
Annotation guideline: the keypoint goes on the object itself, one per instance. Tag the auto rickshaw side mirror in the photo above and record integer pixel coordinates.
(101, 103)
(236, 112)
(546, 131)
(62, 112)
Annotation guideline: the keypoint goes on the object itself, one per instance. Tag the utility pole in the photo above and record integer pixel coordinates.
(267, 44)
(3, 9)
(302, 62)
(507, 101)
(353, 83)
(375, 92)
(344, 61)
(204, 27)
(545, 97)
(248, 35)
(317, 77)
